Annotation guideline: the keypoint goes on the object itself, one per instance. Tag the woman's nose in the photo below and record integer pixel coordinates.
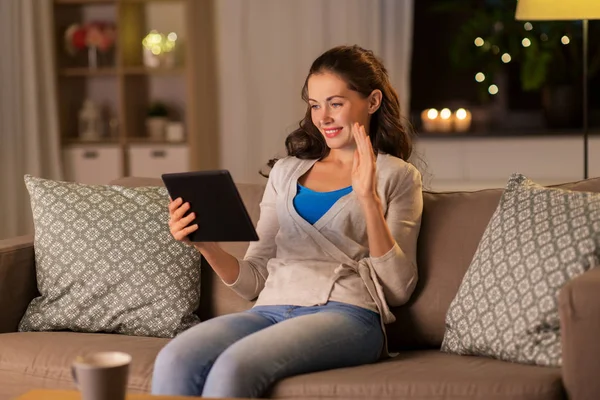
(325, 118)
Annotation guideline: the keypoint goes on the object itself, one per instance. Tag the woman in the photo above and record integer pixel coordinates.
(338, 229)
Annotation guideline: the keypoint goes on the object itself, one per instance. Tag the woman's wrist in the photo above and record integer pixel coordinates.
(370, 203)
(206, 248)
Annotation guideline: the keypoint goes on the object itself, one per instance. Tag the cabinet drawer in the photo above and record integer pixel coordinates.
(96, 165)
(151, 161)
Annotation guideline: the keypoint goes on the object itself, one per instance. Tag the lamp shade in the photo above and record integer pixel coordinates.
(557, 10)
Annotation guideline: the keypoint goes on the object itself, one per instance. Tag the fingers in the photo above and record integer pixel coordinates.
(178, 224)
(173, 204)
(180, 211)
(181, 228)
(363, 143)
(182, 234)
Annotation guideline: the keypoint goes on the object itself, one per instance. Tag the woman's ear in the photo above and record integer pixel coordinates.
(374, 101)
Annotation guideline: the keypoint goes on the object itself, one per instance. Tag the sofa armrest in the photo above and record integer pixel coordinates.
(17, 280)
(579, 307)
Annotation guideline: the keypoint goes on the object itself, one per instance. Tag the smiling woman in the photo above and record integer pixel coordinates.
(338, 229)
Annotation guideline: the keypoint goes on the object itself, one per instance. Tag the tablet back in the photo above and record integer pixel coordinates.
(220, 213)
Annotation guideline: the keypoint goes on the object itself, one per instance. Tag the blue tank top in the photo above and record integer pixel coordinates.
(311, 205)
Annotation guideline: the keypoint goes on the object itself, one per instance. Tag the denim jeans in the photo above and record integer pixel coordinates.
(243, 354)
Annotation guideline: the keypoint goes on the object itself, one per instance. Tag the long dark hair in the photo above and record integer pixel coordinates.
(363, 72)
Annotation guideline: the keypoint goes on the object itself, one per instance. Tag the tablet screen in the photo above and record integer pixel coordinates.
(220, 212)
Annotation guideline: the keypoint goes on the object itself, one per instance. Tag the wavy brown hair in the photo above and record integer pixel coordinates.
(363, 72)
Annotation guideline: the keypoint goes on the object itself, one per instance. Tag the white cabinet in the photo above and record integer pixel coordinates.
(153, 160)
(92, 164)
(473, 163)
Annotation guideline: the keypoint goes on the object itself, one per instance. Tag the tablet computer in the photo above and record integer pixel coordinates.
(220, 212)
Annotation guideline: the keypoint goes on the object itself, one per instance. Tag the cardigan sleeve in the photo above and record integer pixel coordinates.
(397, 269)
(253, 267)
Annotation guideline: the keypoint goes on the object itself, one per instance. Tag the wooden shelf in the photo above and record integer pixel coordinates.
(149, 141)
(80, 142)
(84, 71)
(151, 1)
(123, 88)
(84, 2)
(153, 71)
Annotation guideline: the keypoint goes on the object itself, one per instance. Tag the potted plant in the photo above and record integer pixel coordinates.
(156, 120)
(546, 53)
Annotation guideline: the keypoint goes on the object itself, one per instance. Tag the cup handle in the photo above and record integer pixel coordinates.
(74, 375)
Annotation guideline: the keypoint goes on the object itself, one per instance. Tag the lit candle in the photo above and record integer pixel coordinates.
(462, 120)
(445, 121)
(429, 119)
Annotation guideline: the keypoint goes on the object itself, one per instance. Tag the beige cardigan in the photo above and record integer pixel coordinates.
(297, 263)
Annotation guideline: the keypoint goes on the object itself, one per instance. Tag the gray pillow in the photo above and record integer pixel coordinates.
(537, 240)
(106, 262)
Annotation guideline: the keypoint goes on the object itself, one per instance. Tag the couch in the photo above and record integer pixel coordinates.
(452, 226)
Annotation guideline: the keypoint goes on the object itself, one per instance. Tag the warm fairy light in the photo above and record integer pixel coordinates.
(480, 77)
(565, 40)
(506, 58)
(526, 42)
(479, 42)
(461, 113)
(528, 26)
(159, 43)
(493, 89)
(432, 113)
(445, 113)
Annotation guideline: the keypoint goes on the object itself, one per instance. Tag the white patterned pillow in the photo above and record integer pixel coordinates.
(106, 262)
(537, 240)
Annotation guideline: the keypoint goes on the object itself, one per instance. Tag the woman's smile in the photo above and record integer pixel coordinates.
(332, 132)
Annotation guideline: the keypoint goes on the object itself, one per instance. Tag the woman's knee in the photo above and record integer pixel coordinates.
(172, 357)
(236, 373)
(177, 370)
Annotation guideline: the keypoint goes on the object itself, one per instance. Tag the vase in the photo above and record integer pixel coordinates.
(156, 127)
(92, 57)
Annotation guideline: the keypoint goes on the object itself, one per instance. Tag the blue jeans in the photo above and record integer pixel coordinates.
(243, 354)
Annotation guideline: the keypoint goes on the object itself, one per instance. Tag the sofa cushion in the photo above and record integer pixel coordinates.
(537, 239)
(421, 375)
(452, 226)
(43, 359)
(106, 261)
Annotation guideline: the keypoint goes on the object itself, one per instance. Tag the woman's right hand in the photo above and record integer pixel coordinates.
(224, 264)
(178, 224)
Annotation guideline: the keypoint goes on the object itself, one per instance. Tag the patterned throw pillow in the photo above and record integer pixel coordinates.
(537, 240)
(106, 262)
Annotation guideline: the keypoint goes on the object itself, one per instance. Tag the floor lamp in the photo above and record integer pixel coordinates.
(566, 10)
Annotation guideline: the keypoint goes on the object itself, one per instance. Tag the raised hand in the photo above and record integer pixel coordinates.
(178, 224)
(363, 167)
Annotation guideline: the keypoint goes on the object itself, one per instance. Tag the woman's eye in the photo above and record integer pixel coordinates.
(336, 105)
(314, 107)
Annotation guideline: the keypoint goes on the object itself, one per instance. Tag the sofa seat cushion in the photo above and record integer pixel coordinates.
(428, 374)
(43, 359)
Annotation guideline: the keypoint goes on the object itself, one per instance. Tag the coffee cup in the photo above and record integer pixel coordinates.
(102, 375)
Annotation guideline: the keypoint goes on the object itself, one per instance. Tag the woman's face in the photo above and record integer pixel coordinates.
(335, 107)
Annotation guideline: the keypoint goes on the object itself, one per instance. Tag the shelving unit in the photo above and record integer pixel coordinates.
(125, 88)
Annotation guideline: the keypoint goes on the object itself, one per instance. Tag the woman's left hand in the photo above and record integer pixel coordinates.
(363, 167)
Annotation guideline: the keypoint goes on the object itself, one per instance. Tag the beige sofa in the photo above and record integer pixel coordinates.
(452, 226)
